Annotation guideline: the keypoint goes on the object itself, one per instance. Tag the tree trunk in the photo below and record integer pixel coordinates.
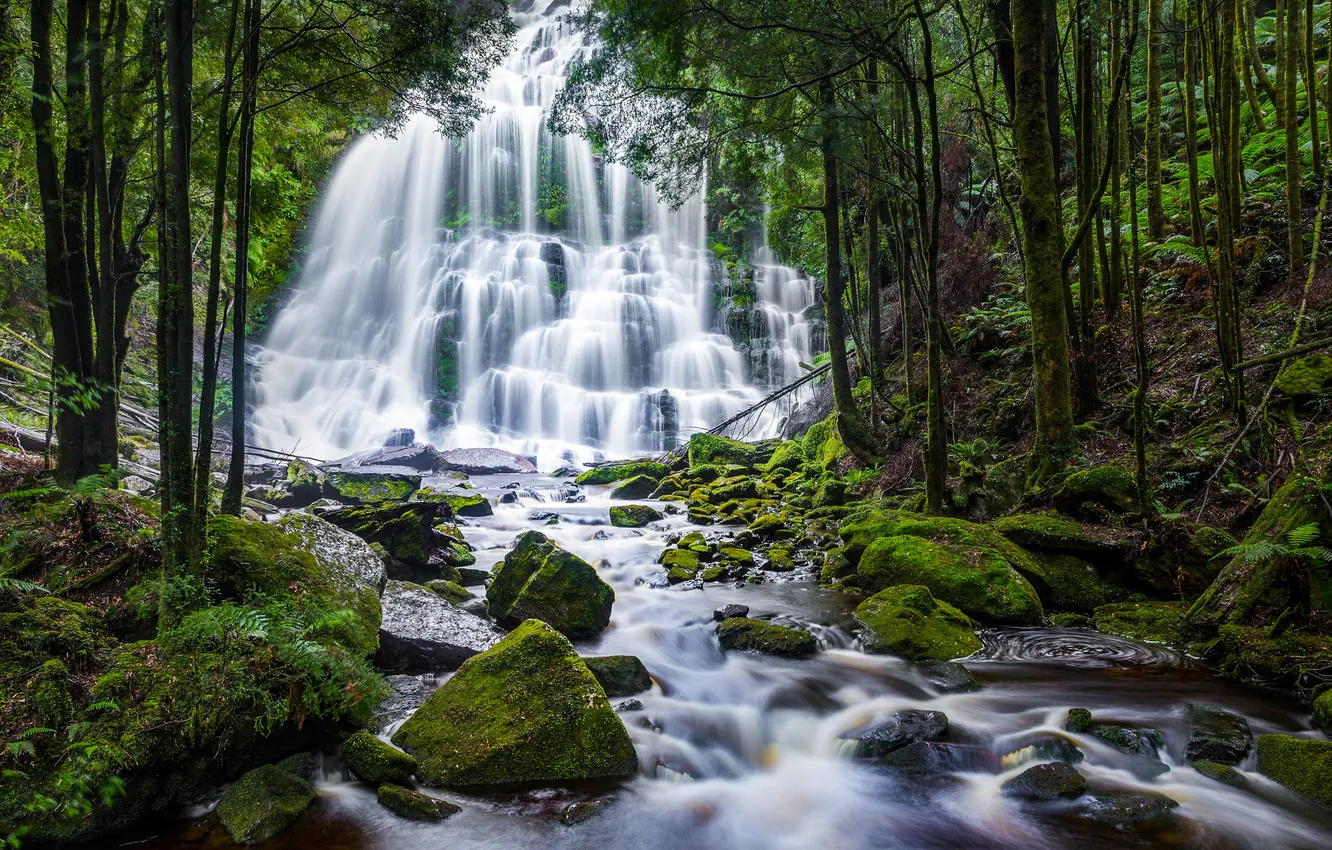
(1311, 89)
(1087, 172)
(1259, 69)
(1197, 232)
(1155, 208)
(1290, 78)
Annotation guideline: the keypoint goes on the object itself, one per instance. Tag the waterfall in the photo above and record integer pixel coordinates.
(512, 288)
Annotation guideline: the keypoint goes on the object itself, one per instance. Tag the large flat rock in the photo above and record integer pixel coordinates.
(484, 462)
(422, 631)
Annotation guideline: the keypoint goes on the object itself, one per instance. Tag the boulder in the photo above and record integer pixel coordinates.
(1322, 711)
(634, 516)
(375, 761)
(450, 591)
(902, 728)
(1305, 377)
(638, 487)
(400, 437)
(949, 677)
(1044, 782)
(419, 545)
(1131, 741)
(1079, 720)
(347, 558)
(790, 456)
(460, 501)
(576, 813)
(406, 694)
(908, 621)
(1223, 773)
(539, 580)
(1042, 747)
(484, 462)
(727, 611)
(1121, 811)
(612, 472)
(370, 485)
(413, 805)
(417, 456)
(740, 633)
(1110, 487)
(262, 803)
(619, 675)
(526, 710)
(423, 631)
(1218, 735)
(706, 450)
(936, 757)
(1301, 764)
(1159, 622)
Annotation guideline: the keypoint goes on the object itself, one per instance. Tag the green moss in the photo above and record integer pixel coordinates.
(683, 559)
(1305, 377)
(1253, 654)
(619, 675)
(695, 542)
(714, 574)
(908, 621)
(404, 530)
(676, 575)
(460, 502)
(1073, 584)
(634, 516)
(43, 627)
(413, 805)
(539, 580)
(49, 695)
(262, 803)
(611, 473)
(814, 439)
(1223, 773)
(1051, 533)
(978, 581)
(1159, 622)
(525, 710)
(1079, 720)
(1322, 711)
(1111, 487)
(638, 487)
(789, 455)
(736, 555)
(1302, 765)
(780, 559)
(450, 590)
(375, 761)
(736, 488)
(1182, 558)
(368, 488)
(706, 449)
(743, 633)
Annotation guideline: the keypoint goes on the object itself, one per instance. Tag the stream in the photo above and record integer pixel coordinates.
(740, 750)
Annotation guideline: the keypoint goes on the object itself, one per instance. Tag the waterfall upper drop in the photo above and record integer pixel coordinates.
(511, 288)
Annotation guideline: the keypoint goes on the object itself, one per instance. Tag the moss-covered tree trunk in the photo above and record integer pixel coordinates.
(1042, 247)
(1155, 208)
(1290, 78)
(1088, 170)
(1196, 227)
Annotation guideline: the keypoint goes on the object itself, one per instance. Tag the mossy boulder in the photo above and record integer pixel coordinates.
(1070, 583)
(742, 633)
(706, 450)
(908, 621)
(413, 805)
(1044, 782)
(262, 803)
(363, 487)
(1322, 711)
(1222, 773)
(461, 502)
(449, 590)
(1057, 534)
(619, 675)
(736, 555)
(539, 580)
(976, 580)
(790, 455)
(613, 472)
(1181, 559)
(685, 559)
(284, 560)
(1301, 764)
(1111, 487)
(1079, 720)
(412, 534)
(1158, 622)
(634, 516)
(770, 525)
(1305, 377)
(1285, 660)
(526, 710)
(375, 761)
(638, 487)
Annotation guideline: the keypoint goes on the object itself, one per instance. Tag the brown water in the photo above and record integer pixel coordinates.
(744, 751)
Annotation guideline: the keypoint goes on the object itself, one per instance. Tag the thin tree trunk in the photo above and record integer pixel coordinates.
(1155, 208)
(1087, 170)
(1114, 282)
(1311, 89)
(1196, 227)
(1290, 77)
(1259, 69)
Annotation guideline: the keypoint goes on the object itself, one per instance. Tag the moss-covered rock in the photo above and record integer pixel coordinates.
(770, 525)
(1053, 533)
(908, 621)
(638, 487)
(539, 580)
(526, 710)
(1159, 622)
(1079, 720)
(1109, 486)
(1072, 584)
(613, 472)
(1322, 711)
(450, 590)
(742, 633)
(375, 761)
(1222, 773)
(1305, 377)
(736, 555)
(262, 803)
(634, 516)
(684, 559)
(460, 501)
(361, 487)
(413, 805)
(790, 455)
(619, 675)
(1256, 655)
(706, 450)
(978, 581)
(1044, 782)
(714, 574)
(1302, 765)
(412, 534)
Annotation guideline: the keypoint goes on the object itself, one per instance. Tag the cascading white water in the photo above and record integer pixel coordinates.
(510, 288)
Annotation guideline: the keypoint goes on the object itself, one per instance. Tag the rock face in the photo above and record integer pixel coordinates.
(413, 805)
(908, 621)
(485, 462)
(262, 803)
(1054, 781)
(1218, 735)
(634, 516)
(619, 675)
(422, 631)
(526, 710)
(741, 633)
(1301, 764)
(902, 728)
(375, 761)
(539, 580)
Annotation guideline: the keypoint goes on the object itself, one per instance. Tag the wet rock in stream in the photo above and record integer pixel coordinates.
(1218, 735)
(413, 805)
(423, 631)
(728, 611)
(738, 633)
(539, 580)
(619, 675)
(1120, 811)
(1045, 782)
(949, 677)
(902, 728)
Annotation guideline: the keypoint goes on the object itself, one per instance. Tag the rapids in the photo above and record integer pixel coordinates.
(745, 751)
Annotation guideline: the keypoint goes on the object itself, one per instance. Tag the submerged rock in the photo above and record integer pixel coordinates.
(740, 633)
(949, 677)
(413, 805)
(619, 675)
(423, 631)
(935, 757)
(262, 803)
(1218, 735)
(485, 462)
(1044, 782)
(902, 728)
(1222, 773)
(1126, 810)
(375, 761)
(526, 710)
(908, 621)
(539, 580)
(634, 516)
(1301, 764)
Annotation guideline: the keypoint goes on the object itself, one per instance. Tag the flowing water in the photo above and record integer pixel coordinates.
(746, 751)
(511, 288)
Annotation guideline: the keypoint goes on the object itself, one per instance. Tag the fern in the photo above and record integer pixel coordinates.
(18, 586)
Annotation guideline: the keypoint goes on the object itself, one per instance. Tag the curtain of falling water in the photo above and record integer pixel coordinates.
(509, 288)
